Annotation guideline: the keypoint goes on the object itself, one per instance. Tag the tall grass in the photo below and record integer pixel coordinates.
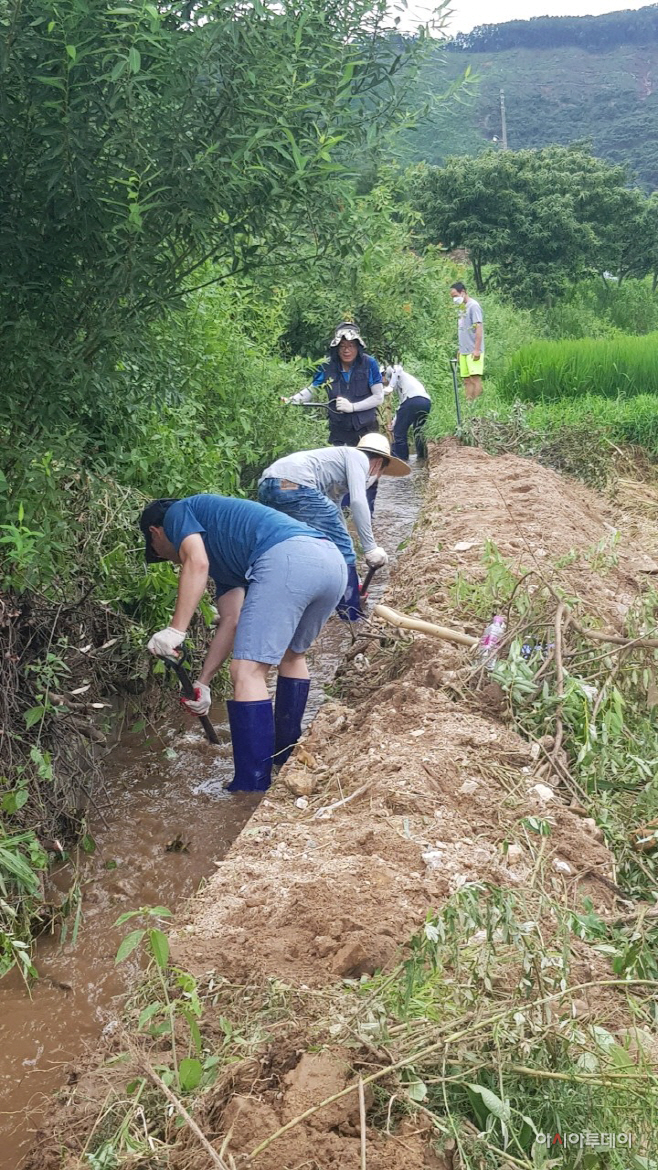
(624, 421)
(616, 367)
(573, 435)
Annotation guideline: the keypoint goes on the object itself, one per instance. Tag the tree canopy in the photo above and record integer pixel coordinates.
(635, 27)
(536, 219)
(141, 142)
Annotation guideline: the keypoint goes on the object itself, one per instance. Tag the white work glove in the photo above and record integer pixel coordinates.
(376, 558)
(200, 704)
(344, 405)
(297, 399)
(164, 643)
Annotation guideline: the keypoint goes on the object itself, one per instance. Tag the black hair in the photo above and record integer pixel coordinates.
(459, 286)
(153, 517)
(154, 514)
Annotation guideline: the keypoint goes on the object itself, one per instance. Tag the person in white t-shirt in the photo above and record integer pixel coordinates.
(414, 405)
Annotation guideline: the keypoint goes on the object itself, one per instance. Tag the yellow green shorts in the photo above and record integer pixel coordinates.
(468, 367)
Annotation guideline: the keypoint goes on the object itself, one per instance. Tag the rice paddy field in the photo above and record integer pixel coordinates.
(577, 399)
(550, 371)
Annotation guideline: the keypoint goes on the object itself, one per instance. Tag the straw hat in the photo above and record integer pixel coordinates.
(377, 444)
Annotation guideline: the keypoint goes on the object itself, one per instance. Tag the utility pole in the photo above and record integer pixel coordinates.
(503, 120)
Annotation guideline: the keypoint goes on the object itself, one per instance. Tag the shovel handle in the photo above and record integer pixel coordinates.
(365, 584)
(454, 363)
(188, 693)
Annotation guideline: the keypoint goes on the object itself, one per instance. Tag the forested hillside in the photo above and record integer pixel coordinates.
(565, 79)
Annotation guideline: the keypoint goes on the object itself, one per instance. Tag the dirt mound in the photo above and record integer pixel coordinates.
(334, 1129)
(306, 898)
(533, 516)
(410, 794)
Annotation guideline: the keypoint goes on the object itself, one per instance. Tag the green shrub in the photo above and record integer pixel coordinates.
(618, 367)
(22, 862)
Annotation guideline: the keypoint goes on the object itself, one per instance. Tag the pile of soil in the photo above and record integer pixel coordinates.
(309, 897)
(304, 898)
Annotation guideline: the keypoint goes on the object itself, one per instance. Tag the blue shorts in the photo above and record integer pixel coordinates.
(293, 588)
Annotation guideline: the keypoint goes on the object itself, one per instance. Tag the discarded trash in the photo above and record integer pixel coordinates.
(543, 792)
(533, 646)
(591, 693)
(515, 853)
(490, 641)
(561, 866)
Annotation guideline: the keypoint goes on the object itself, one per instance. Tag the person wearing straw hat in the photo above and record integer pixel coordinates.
(309, 486)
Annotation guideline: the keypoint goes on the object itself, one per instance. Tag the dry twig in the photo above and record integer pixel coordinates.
(327, 809)
(147, 1069)
(362, 1123)
(415, 1057)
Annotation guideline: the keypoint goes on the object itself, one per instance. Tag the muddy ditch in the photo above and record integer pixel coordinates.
(160, 822)
(409, 809)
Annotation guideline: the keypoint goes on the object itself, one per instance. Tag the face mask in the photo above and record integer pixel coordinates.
(457, 300)
(370, 479)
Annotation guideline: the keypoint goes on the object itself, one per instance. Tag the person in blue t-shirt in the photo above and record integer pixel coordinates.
(276, 583)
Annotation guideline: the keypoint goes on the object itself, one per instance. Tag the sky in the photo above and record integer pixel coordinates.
(467, 13)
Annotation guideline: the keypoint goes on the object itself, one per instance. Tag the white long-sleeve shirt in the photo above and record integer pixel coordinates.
(405, 384)
(374, 399)
(332, 471)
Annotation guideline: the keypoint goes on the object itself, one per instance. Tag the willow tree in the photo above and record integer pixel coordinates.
(140, 143)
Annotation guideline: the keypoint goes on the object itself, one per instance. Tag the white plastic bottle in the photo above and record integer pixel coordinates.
(490, 641)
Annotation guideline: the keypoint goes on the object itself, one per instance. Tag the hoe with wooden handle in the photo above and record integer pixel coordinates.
(410, 623)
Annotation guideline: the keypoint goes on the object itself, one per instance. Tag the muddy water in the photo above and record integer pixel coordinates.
(163, 789)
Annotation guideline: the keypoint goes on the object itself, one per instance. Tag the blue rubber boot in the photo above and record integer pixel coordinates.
(291, 697)
(349, 606)
(252, 735)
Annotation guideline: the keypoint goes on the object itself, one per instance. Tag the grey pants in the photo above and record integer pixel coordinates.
(293, 588)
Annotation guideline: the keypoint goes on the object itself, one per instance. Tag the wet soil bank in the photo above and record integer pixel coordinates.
(306, 898)
(163, 788)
